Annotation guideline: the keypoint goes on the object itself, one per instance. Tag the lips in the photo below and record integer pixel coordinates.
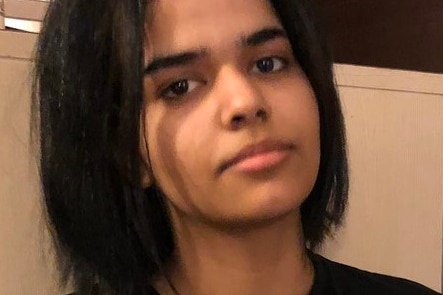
(260, 155)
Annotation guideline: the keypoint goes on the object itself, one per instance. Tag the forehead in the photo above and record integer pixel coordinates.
(178, 25)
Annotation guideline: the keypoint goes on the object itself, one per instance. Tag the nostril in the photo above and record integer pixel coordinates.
(237, 121)
(262, 114)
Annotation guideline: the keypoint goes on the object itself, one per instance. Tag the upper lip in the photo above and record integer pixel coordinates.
(253, 149)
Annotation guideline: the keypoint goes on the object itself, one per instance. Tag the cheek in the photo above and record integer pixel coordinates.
(298, 107)
(161, 141)
(178, 147)
(307, 116)
(302, 117)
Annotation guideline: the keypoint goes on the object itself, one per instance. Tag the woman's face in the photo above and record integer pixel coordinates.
(231, 121)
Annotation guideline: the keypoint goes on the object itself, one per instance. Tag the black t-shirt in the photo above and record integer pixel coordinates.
(332, 278)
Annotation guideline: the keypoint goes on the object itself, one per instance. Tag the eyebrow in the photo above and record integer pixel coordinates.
(188, 57)
(173, 60)
(263, 36)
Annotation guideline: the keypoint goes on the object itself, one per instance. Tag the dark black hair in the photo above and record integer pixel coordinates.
(112, 235)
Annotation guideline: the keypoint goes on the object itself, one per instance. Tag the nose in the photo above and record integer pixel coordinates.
(243, 102)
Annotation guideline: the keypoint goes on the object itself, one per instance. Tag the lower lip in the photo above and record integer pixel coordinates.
(261, 162)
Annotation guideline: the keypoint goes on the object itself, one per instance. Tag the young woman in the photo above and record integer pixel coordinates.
(193, 147)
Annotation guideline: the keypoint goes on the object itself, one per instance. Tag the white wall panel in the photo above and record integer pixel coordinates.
(394, 222)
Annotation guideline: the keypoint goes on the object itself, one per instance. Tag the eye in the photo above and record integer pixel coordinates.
(179, 88)
(269, 64)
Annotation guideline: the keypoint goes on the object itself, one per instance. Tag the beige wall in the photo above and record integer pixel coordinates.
(395, 134)
(24, 264)
(395, 124)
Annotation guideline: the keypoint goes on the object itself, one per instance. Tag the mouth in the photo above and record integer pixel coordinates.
(258, 157)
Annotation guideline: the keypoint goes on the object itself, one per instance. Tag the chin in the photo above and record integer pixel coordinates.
(250, 200)
(259, 213)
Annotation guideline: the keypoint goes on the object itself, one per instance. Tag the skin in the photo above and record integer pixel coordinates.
(236, 232)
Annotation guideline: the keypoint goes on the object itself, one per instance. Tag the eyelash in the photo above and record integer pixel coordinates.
(190, 85)
(283, 63)
(165, 93)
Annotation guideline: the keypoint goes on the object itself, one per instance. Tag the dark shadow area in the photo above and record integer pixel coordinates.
(400, 34)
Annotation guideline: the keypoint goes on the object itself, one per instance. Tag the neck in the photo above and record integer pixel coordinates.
(267, 260)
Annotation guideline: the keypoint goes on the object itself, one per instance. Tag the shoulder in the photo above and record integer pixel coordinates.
(345, 280)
